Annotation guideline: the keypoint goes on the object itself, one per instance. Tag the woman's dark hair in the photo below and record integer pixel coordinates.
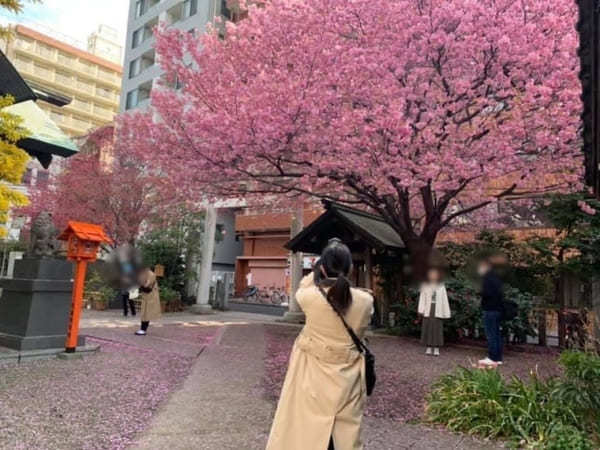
(336, 262)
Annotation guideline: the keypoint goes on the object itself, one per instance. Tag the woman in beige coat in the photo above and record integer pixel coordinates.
(150, 309)
(324, 392)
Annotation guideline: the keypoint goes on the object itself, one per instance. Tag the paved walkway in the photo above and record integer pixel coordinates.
(222, 405)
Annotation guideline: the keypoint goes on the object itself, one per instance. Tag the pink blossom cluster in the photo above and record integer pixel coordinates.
(423, 111)
(586, 208)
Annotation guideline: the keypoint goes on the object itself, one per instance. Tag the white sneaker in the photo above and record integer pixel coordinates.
(487, 362)
(428, 351)
(436, 352)
(140, 333)
(498, 362)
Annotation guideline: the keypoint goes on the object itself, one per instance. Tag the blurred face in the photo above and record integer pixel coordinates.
(434, 275)
(482, 268)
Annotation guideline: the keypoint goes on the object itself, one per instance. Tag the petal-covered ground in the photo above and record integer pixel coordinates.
(404, 373)
(101, 401)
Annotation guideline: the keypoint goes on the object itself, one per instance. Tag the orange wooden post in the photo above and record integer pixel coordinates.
(77, 300)
(83, 242)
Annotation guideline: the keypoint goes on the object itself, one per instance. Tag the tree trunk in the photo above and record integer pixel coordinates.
(420, 253)
(562, 328)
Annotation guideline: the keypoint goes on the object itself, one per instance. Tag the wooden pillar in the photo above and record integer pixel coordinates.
(368, 269)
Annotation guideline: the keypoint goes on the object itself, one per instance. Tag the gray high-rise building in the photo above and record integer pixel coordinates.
(140, 69)
(140, 73)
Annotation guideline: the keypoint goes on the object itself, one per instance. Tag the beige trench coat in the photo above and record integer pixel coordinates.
(324, 391)
(150, 309)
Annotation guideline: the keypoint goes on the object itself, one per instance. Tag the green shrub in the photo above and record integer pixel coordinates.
(581, 387)
(567, 437)
(470, 401)
(167, 293)
(547, 414)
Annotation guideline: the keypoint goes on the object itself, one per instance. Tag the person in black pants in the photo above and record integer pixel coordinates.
(492, 305)
(127, 302)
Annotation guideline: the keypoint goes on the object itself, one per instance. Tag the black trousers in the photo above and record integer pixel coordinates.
(126, 303)
(145, 325)
(331, 447)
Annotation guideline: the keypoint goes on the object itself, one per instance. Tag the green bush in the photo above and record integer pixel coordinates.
(581, 387)
(167, 293)
(547, 414)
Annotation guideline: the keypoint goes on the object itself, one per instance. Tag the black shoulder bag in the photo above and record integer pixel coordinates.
(370, 375)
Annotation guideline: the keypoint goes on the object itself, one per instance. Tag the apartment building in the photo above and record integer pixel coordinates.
(91, 82)
(104, 42)
(141, 70)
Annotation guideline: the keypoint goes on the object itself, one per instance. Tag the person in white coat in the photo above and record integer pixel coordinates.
(434, 307)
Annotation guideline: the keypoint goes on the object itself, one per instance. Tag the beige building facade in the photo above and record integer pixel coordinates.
(91, 82)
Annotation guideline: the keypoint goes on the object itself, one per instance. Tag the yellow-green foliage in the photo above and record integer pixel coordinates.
(13, 160)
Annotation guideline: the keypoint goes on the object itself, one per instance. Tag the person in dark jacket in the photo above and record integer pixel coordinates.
(492, 301)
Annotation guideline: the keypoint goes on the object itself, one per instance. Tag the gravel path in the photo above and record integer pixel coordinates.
(101, 401)
(211, 383)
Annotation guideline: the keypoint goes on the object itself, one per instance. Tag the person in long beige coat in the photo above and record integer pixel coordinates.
(150, 309)
(324, 392)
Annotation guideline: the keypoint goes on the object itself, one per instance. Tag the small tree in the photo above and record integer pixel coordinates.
(13, 162)
(575, 251)
(109, 185)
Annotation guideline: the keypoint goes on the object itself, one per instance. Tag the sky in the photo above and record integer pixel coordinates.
(75, 19)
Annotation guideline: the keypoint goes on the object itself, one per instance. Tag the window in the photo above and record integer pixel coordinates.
(190, 7)
(137, 37)
(144, 33)
(134, 67)
(44, 50)
(104, 93)
(42, 71)
(84, 86)
(104, 112)
(142, 6)
(131, 99)
(81, 104)
(64, 59)
(175, 14)
(25, 44)
(63, 78)
(135, 97)
(225, 11)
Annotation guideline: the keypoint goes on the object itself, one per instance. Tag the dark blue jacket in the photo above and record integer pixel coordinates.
(492, 296)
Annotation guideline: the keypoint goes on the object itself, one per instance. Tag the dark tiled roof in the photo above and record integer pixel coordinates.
(338, 221)
(11, 83)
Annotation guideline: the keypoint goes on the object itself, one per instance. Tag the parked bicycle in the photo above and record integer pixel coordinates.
(266, 296)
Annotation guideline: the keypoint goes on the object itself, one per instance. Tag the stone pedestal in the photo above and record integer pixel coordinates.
(36, 304)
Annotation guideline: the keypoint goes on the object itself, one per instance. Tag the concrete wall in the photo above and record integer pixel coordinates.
(227, 250)
(207, 9)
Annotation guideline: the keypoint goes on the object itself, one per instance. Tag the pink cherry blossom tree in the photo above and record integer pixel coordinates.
(108, 185)
(423, 111)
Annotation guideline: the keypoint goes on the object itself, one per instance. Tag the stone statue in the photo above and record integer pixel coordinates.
(43, 240)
